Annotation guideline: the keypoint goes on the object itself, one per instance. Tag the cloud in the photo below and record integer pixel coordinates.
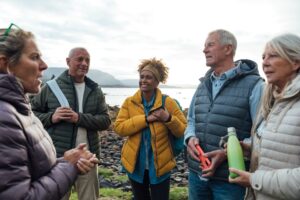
(119, 34)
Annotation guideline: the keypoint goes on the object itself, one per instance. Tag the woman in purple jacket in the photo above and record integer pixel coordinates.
(28, 166)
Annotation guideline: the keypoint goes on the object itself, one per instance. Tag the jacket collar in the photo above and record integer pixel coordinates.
(11, 91)
(137, 98)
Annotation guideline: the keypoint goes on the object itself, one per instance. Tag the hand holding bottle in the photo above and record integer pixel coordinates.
(243, 178)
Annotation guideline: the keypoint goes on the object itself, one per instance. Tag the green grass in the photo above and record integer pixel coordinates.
(115, 194)
(121, 178)
(106, 173)
(176, 193)
(73, 196)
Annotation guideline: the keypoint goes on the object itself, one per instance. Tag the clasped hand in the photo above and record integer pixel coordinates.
(158, 115)
(64, 114)
(82, 158)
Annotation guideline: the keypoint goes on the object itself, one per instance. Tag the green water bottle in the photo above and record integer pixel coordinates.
(235, 155)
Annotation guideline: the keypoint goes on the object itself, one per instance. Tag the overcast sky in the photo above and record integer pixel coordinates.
(119, 33)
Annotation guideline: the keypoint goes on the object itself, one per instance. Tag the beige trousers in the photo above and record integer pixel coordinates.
(86, 186)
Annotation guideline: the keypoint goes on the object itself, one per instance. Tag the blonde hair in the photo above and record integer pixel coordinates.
(12, 45)
(288, 47)
(158, 65)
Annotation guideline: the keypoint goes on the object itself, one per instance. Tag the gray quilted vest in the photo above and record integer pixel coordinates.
(230, 108)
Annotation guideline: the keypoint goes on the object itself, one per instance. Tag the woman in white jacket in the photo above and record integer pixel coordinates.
(275, 148)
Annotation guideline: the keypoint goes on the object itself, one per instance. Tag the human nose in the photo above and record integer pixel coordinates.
(85, 62)
(265, 61)
(204, 50)
(43, 65)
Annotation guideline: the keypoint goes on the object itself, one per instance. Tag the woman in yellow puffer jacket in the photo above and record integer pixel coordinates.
(147, 154)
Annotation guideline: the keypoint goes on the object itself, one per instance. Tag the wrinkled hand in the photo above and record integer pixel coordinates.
(83, 159)
(217, 157)
(243, 178)
(246, 149)
(85, 165)
(64, 114)
(191, 148)
(73, 155)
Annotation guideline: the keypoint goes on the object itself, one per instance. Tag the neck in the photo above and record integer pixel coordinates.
(78, 80)
(222, 68)
(147, 95)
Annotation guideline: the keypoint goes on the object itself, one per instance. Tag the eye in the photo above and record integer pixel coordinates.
(273, 55)
(35, 57)
(210, 44)
(80, 59)
(149, 77)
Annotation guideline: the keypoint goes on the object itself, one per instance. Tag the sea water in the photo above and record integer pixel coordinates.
(116, 96)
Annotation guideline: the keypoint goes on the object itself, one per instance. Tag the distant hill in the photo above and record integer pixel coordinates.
(102, 78)
(130, 82)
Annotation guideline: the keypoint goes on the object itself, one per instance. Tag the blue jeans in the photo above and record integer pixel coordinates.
(213, 189)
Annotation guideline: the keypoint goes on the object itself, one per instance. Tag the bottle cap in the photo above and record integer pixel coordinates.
(231, 130)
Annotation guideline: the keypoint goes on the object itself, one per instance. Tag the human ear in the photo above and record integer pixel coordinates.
(228, 49)
(296, 65)
(3, 64)
(68, 61)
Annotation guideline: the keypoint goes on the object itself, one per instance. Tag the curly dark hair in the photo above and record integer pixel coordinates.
(162, 69)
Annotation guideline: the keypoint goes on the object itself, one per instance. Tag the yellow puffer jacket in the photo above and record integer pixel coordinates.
(131, 121)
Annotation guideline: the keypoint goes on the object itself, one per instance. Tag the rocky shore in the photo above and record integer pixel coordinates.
(110, 154)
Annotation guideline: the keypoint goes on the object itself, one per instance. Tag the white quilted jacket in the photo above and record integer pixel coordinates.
(278, 172)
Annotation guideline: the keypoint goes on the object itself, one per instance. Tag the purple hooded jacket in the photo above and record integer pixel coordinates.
(28, 165)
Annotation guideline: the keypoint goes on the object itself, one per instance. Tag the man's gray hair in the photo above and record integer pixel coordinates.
(72, 51)
(226, 38)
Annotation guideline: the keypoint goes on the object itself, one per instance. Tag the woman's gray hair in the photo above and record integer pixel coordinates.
(12, 45)
(226, 38)
(288, 47)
